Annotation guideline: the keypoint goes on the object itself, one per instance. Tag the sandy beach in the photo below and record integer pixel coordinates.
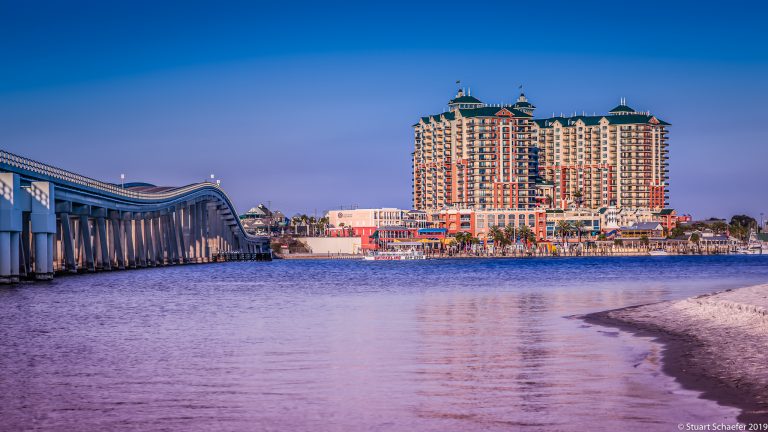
(714, 343)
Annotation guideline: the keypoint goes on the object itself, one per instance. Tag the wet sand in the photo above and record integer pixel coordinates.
(715, 343)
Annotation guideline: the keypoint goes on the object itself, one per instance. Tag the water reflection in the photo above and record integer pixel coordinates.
(464, 345)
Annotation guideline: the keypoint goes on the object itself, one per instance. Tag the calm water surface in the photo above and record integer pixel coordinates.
(449, 345)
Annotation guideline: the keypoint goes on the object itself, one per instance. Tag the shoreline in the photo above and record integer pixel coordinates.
(616, 255)
(711, 344)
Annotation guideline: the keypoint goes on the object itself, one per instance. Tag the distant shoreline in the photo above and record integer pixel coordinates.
(714, 343)
(443, 257)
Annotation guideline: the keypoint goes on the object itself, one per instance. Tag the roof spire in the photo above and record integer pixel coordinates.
(622, 108)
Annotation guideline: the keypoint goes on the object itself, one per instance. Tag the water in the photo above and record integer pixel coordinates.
(450, 345)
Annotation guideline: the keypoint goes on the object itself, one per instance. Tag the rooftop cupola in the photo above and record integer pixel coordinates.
(523, 105)
(622, 108)
(464, 101)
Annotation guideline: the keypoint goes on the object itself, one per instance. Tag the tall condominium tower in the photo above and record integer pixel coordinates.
(596, 161)
(475, 155)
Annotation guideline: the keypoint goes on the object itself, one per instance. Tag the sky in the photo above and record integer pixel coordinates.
(309, 106)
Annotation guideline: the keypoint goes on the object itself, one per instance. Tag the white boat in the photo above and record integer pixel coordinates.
(754, 246)
(395, 256)
(750, 250)
(658, 252)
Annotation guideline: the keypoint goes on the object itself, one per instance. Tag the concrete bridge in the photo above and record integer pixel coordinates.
(53, 220)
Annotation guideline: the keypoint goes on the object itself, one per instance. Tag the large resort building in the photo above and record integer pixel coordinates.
(478, 167)
(475, 155)
(483, 157)
(619, 159)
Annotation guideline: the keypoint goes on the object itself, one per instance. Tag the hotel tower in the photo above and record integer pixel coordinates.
(619, 159)
(483, 156)
(475, 155)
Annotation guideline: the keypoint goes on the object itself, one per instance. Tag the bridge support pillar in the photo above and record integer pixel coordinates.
(101, 224)
(170, 238)
(43, 221)
(202, 208)
(10, 227)
(129, 241)
(159, 239)
(117, 241)
(5, 257)
(188, 232)
(141, 251)
(148, 242)
(85, 233)
(206, 252)
(69, 246)
(190, 219)
(178, 219)
(26, 245)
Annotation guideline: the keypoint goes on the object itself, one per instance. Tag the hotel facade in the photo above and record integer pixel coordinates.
(619, 159)
(487, 157)
(475, 155)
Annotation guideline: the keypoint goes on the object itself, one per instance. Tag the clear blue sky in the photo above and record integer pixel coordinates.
(310, 106)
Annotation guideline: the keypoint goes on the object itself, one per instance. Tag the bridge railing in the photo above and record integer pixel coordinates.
(31, 165)
(61, 174)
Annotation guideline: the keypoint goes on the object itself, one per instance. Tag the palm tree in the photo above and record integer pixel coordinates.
(563, 227)
(525, 234)
(323, 224)
(719, 227)
(304, 219)
(510, 233)
(498, 238)
(461, 239)
(578, 226)
(295, 220)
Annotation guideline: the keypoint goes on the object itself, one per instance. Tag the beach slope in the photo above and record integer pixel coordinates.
(715, 343)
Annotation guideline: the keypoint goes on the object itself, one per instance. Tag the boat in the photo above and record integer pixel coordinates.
(658, 252)
(754, 246)
(398, 251)
(395, 256)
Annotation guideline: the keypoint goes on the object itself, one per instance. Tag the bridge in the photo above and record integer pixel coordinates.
(56, 221)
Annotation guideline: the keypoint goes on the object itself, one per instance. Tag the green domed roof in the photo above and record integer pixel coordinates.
(465, 100)
(621, 109)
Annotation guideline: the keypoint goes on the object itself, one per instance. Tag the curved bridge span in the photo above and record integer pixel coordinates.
(53, 220)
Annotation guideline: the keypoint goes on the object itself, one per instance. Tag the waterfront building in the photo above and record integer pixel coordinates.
(586, 219)
(613, 217)
(535, 219)
(475, 155)
(358, 218)
(418, 219)
(619, 159)
(363, 233)
(479, 222)
(262, 220)
(376, 227)
(649, 230)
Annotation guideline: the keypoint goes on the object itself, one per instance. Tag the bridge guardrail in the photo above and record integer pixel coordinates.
(31, 165)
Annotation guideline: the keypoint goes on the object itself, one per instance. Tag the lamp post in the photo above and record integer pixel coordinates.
(122, 181)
